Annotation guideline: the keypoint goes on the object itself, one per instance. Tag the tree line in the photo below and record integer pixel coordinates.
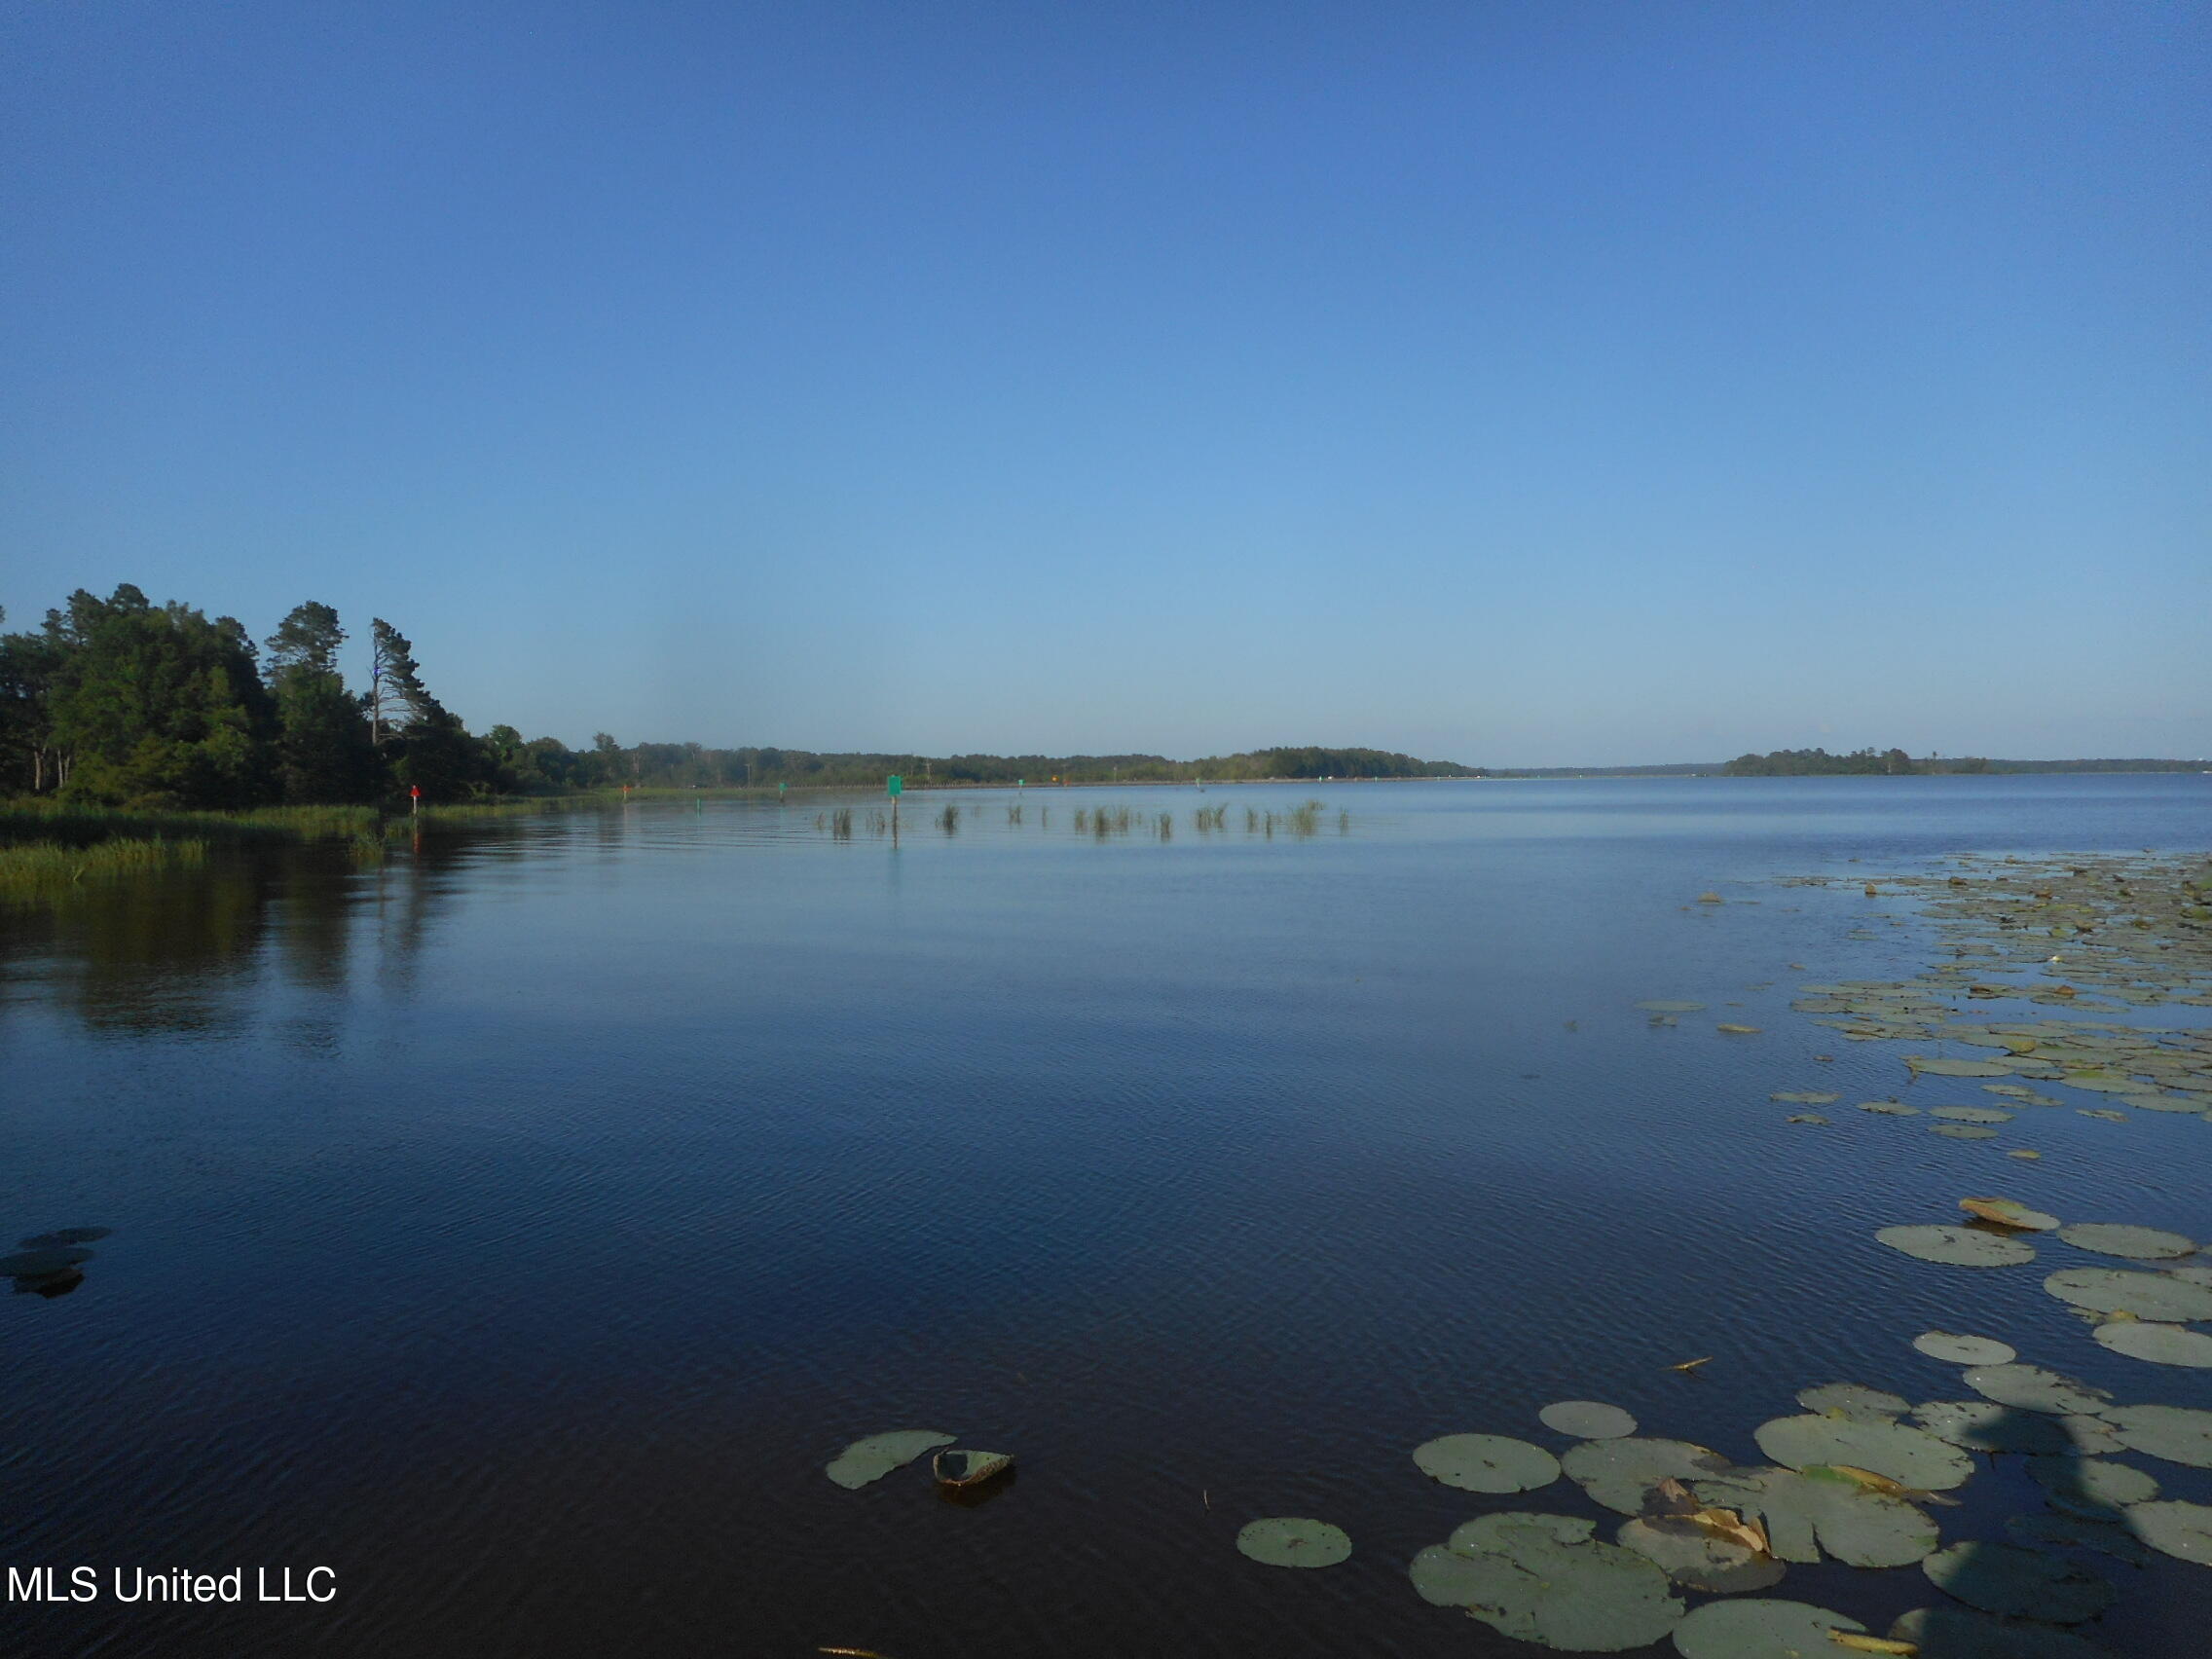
(1820, 763)
(122, 702)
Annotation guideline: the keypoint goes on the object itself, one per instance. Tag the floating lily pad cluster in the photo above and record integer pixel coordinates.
(51, 1264)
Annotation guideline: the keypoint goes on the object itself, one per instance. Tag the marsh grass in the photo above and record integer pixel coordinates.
(842, 823)
(950, 820)
(30, 868)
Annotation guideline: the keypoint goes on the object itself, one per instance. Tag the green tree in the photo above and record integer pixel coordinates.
(322, 738)
(158, 706)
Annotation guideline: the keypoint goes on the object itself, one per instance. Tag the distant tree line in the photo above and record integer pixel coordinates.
(122, 702)
(1820, 763)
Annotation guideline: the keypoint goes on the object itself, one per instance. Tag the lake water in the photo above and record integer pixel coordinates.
(518, 1227)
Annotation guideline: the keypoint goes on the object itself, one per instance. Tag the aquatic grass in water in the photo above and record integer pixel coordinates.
(36, 868)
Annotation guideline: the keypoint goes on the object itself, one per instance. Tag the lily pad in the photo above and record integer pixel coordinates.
(964, 1468)
(1805, 1097)
(877, 1455)
(2182, 1531)
(1854, 1402)
(1486, 1462)
(2093, 1484)
(1807, 1513)
(1617, 1473)
(1972, 1114)
(1955, 1350)
(1983, 1425)
(1958, 1068)
(2068, 1531)
(1738, 1030)
(42, 1264)
(2007, 1580)
(1291, 1540)
(2142, 1243)
(2160, 1345)
(1760, 1630)
(1890, 1108)
(1698, 1560)
(1958, 1246)
(1544, 1578)
(2009, 1212)
(1587, 1419)
(2164, 1297)
(1910, 1456)
(1671, 1007)
(1959, 1633)
(61, 1237)
(2032, 1389)
(2176, 1433)
(1962, 1131)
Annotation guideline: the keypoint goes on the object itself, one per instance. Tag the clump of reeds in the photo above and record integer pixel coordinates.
(1013, 815)
(1167, 826)
(1343, 822)
(950, 820)
(1305, 819)
(842, 823)
(365, 846)
(31, 868)
(1082, 819)
(1251, 821)
(1209, 818)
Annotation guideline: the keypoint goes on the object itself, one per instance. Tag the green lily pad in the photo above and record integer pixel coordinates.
(1959, 1633)
(2176, 1433)
(61, 1237)
(2164, 1297)
(875, 1456)
(2009, 1212)
(1543, 1578)
(1486, 1462)
(2023, 1152)
(1958, 1246)
(2143, 1243)
(1807, 1513)
(1587, 1419)
(1910, 1456)
(2160, 1345)
(42, 1264)
(2032, 1389)
(1854, 1402)
(2093, 1484)
(2101, 1083)
(1890, 1108)
(2101, 1113)
(1983, 1425)
(1617, 1473)
(2007, 1580)
(1291, 1540)
(2067, 1531)
(1957, 1068)
(1696, 1560)
(1962, 1131)
(1671, 1007)
(1972, 1114)
(2182, 1531)
(1955, 1350)
(1805, 1097)
(1760, 1630)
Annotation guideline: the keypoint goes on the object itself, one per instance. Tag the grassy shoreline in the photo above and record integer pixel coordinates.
(47, 847)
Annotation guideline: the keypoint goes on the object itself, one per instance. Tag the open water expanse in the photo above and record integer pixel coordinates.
(519, 1226)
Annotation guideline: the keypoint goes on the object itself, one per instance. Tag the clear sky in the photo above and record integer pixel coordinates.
(1511, 383)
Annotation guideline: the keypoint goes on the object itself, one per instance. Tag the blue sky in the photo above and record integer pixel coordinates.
(1521, 383)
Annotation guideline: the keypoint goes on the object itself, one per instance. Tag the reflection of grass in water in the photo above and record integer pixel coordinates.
(45, 867)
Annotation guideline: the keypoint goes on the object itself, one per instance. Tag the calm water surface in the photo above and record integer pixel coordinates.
(517, 1228)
